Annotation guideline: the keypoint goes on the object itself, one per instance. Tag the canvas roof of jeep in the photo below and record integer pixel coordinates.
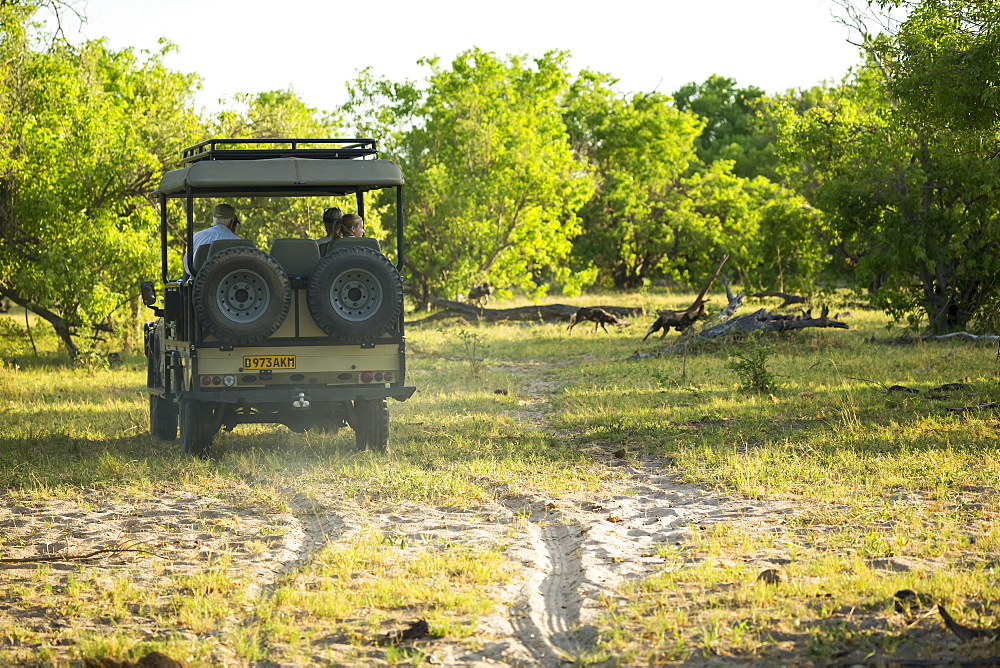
(303, 167)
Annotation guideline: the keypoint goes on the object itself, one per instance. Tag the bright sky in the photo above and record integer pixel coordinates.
(314, 46)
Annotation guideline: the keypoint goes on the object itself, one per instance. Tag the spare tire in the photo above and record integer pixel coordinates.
(241, 295)
(355, 294)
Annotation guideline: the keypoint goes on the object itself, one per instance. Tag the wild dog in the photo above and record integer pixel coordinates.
(598, 316)
(679, 320)
(479, 295)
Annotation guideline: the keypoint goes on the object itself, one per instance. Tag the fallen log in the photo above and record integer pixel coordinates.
(535, 313)
(966, 336)
(760, 321)
(764, 321)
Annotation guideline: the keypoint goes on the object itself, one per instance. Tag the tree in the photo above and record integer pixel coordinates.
(278, 114)
(941, 63)
(86, 133)
(493, 186)
(793, 241)
(733, 130)
(639, 150)
(914, 211)
(658, 210)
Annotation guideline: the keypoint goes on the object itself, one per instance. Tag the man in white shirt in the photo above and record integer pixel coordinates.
(224, 222)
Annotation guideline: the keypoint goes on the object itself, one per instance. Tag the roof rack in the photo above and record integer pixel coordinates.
(321, 149)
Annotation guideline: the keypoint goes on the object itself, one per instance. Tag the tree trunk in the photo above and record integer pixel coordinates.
(61, 326)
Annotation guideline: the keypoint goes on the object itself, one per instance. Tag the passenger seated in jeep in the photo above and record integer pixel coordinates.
(224, 222)
(351, 225)
(331, 223)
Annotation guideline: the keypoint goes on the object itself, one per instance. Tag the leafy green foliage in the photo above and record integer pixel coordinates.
(86, 133)
(474, 350)
(748, 360)
(913, 213)
(639, 149)
(944, 64)
(733, 130)
(274, 114)
(792, 241)
(494, 187)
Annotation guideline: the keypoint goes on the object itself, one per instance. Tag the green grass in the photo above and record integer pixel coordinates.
(878, 475)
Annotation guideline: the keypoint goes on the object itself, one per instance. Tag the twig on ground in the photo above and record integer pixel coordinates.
(981, 407)
(61, 556)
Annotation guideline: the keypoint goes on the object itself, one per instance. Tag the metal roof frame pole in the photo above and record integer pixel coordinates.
(163, 238)
(189, 234)
(399, 228)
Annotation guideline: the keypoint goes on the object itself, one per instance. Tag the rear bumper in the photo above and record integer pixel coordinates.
(277, 395)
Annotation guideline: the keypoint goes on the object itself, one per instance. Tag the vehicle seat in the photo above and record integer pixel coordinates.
(367, 242)
(298, 257)
(205, 251)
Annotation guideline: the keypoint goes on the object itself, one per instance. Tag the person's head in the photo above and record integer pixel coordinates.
(331, 219)
(352, 225)
(224, 214)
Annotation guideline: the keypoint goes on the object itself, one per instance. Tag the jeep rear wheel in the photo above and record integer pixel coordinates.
(241, 295)
(371, 424)
(199, 425)
(355, 294)
(162, 418)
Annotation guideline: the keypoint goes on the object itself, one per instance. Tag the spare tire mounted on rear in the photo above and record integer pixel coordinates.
(355, 294)
(241, 295)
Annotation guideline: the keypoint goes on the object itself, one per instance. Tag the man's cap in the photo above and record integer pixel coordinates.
(224, 212)
(332, 215)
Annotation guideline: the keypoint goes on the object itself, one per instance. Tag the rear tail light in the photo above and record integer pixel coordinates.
(388, 376)
(366, 376)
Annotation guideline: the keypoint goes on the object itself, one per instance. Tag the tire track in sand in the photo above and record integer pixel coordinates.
(577, 549)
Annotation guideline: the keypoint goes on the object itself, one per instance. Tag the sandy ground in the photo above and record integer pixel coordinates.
(572, 551)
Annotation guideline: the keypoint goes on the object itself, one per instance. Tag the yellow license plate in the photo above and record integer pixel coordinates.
(268, 362)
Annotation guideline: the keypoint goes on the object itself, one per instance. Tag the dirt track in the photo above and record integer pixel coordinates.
(572, 552)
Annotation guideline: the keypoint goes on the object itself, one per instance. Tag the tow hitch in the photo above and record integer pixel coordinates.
(301, 403)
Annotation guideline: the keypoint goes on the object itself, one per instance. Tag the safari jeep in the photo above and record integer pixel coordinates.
(303, 334)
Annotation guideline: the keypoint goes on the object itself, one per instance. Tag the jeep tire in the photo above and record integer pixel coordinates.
(355, 294)
(371, 424)
(162, 418)
(241, 295)
(199, 425)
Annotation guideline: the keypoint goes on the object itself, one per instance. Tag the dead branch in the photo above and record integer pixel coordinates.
(62, 556)
(966, 336)
(734, 302)
(789, 299)
(970, 409)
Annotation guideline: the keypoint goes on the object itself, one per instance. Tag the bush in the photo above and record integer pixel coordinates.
(749, 362)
